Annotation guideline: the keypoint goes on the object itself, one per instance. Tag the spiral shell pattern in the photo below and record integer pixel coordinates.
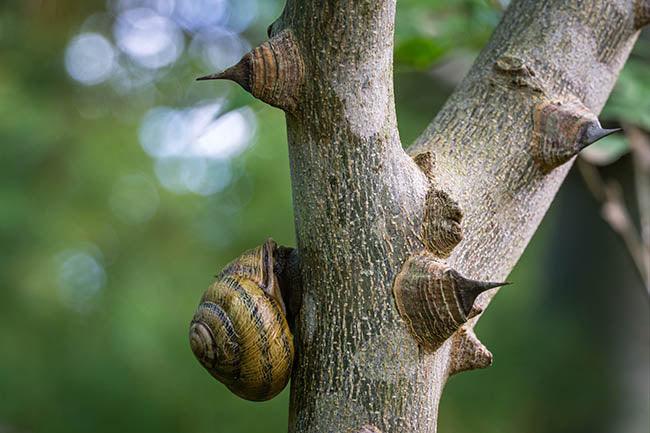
(240, 333)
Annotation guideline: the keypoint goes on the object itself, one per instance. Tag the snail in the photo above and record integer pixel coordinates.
(435, 300)
(240, 332)
(561, 129)
(273, 72)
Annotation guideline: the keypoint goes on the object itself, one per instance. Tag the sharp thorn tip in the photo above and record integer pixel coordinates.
(210, 77)
(597, 133)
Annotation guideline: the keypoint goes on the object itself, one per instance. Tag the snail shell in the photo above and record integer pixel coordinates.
(435, 300)
(561, 129)
(239, 332)
(272, 72)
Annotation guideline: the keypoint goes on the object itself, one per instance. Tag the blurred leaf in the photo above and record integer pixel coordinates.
(607, 150)
(420, 52)
(630, 100)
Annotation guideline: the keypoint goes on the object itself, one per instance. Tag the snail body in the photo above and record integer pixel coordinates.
(240, 333)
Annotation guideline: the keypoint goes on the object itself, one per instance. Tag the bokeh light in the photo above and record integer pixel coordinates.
(151, 40)
(192, 14)
(193, 146)
(219, 48)
(191, 174)
(80, 278)
(162, 7)
(89, 58)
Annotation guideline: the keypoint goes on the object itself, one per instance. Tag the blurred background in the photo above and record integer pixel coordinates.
(125, 185)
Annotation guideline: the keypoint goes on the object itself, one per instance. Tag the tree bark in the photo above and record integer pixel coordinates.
(359, 198)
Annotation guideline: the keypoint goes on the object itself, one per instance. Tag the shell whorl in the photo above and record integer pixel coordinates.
(435, 300)
(272, 72)
(239, 332)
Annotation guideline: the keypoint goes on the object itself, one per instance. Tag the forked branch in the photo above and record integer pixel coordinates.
(502, 146)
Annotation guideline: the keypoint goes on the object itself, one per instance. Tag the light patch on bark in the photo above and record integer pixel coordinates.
(365, 107)
(375, 363)
(308, 316)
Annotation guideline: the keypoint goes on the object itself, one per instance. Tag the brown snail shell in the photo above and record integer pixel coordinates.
(272, 72)
(435, 300)
(239, 332)
(561, 129)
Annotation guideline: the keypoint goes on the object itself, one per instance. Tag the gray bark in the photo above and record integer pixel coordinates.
(359, 198)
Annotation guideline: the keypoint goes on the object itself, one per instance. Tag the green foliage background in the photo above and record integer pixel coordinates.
(117, 358)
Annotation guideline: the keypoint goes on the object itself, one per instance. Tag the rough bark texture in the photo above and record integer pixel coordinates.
(359, 198)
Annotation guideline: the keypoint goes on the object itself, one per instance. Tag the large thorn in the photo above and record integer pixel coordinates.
(561, 129)
(273, 72)
(468, 353)
(240, 74)
(468, 290)
(595, 132)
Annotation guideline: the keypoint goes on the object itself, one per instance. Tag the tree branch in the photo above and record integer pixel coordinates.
(567, 53)
(360, 200)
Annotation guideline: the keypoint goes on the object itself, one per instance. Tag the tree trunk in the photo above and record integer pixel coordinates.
(359, 198)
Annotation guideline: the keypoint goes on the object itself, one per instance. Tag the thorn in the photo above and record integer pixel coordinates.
(272, 72)
(209, 77)
(468, 353)
(561, 129)
(595, 132)
(239, 73)
(468, 290)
